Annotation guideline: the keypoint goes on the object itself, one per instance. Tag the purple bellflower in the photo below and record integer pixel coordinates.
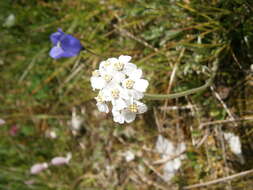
(65, 45)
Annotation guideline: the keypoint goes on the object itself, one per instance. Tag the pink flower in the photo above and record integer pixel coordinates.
(37, 168)
(61, 160)
(13, 130)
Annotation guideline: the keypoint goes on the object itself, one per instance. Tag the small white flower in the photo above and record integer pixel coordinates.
(234, 145)
(164, 146)
(117, 116)
(129, 156)
(61, 160)
(103, 79)
(97, 82)
(101, 104)
(51, 134)
(76, 121)
(168, 151)
(128, 114)
(124, 65)
(135, 85)
(117, 96)
(2, 122)
(37, 168)
(234, 142)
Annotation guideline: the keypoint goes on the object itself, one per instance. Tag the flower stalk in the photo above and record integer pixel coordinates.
(208, 83)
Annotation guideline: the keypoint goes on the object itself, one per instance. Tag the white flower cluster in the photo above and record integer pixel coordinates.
(120, 82)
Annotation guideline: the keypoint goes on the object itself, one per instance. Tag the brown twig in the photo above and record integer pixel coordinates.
(224, 121)
(232, 118)
(220, 180)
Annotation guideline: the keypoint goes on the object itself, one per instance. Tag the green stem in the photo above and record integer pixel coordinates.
(187, 92)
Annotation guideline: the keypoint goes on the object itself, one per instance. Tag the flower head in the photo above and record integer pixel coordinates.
(120, 83)
(64, 45)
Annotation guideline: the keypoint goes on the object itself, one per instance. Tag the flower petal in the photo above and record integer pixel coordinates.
(129, 68)
(142, 107)
(97, 82)
(117, 117)
(71, 44)
(119, 104)
(56, 36)
(129, 116)
(125, 58)
(141, 85)
(136, 74)
(136, 94)
(56, 52)
(102, 107)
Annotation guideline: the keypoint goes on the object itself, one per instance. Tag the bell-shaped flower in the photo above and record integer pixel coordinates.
(37, 168)
(64, 45)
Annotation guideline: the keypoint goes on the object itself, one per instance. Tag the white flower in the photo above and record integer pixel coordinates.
(135, 85)
(129, 156)
(128, 114)
(168, 151)
(2, 122)
(102, 78)
(117, 95)
(164, 146)
(119, 82)
(37, 168)
(234, 145)
(101, 104)
(117, 116)
(124, 65)
(51, 134)
(61, 160)
(234, 142)
(97, 82)
(76, 121)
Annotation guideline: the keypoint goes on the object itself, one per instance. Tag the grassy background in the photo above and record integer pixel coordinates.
(38, 94)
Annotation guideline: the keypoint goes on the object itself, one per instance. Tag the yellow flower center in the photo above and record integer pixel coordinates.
(107, 63)
(95, 73)
(99, 98)
(107, 78)
(118, 66)
(133, 108)
(129, 84)
(115, 93)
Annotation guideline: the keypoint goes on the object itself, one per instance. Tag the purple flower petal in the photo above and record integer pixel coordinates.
(56, 52)
(71, 44)
(55, 37)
